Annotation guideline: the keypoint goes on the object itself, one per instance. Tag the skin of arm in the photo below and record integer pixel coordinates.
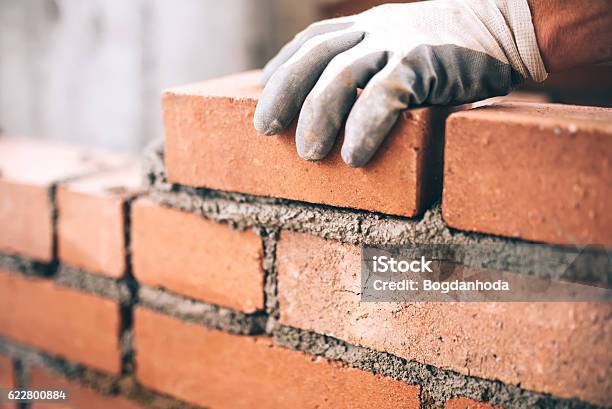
(573, 33)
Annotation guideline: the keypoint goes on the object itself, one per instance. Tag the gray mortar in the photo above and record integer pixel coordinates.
(20, 377)
(269, 240)
(211, 316)
(363, 228)
(437, 385)
(68, 277)
(92, 283)
(54, 216)
(29, 357)
(129, 282)
(126, 346)
(101, 382)
(26, 266)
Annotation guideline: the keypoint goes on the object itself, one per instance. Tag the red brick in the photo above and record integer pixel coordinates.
(217, 369)
(79, 397)
(7, 379)
(211, 142)
(540, 172)
(25, 216)
(77, 326)
(465, 403)
(90, 224)
(516, 96)
(559, 348)
(196, 257)
(27, 169)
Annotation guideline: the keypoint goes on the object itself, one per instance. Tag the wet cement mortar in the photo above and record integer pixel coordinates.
(93, 283)
(211, 316)
(25, 266)
(269, 240)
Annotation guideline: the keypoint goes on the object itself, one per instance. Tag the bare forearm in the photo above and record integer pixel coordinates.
(572, 33)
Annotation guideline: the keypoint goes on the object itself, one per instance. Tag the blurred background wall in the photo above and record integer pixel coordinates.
(91, 71)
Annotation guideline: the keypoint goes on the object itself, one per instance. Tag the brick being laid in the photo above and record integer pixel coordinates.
(540, 172)
(210, 142)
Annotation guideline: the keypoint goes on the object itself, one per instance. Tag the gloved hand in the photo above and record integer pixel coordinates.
(405, 55)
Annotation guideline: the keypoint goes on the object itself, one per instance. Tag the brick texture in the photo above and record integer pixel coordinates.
(217, 369)
(61, 321)
(535, 171)
(7, 379)
(465, 403)
(91, 220)
(192, 256)
(526, 343)
(28, 168)
(516, 96)
(79, 397)
(25, 216)
(211, 142)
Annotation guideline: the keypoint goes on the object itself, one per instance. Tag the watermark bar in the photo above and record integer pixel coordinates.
(467, 273)
(33, 395)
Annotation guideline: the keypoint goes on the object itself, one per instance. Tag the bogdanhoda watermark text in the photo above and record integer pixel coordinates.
(488, 272)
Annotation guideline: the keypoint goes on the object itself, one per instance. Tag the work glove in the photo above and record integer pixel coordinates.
(442, 52)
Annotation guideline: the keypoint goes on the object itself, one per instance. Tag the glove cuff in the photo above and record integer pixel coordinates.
(518, 17)
(509, 22)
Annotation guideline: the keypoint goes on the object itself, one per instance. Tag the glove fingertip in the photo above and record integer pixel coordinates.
(264, 127)
(266, 73)
(309, 147)
(352, 159)
(274, 127)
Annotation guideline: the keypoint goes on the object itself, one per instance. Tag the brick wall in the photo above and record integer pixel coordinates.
(228, 276)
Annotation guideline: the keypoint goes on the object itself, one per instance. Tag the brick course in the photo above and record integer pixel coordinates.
(210, 142)
(65, 322)
(534, 171)
(90, 224)
(192, 256)
(526, 343)
(217, 369)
